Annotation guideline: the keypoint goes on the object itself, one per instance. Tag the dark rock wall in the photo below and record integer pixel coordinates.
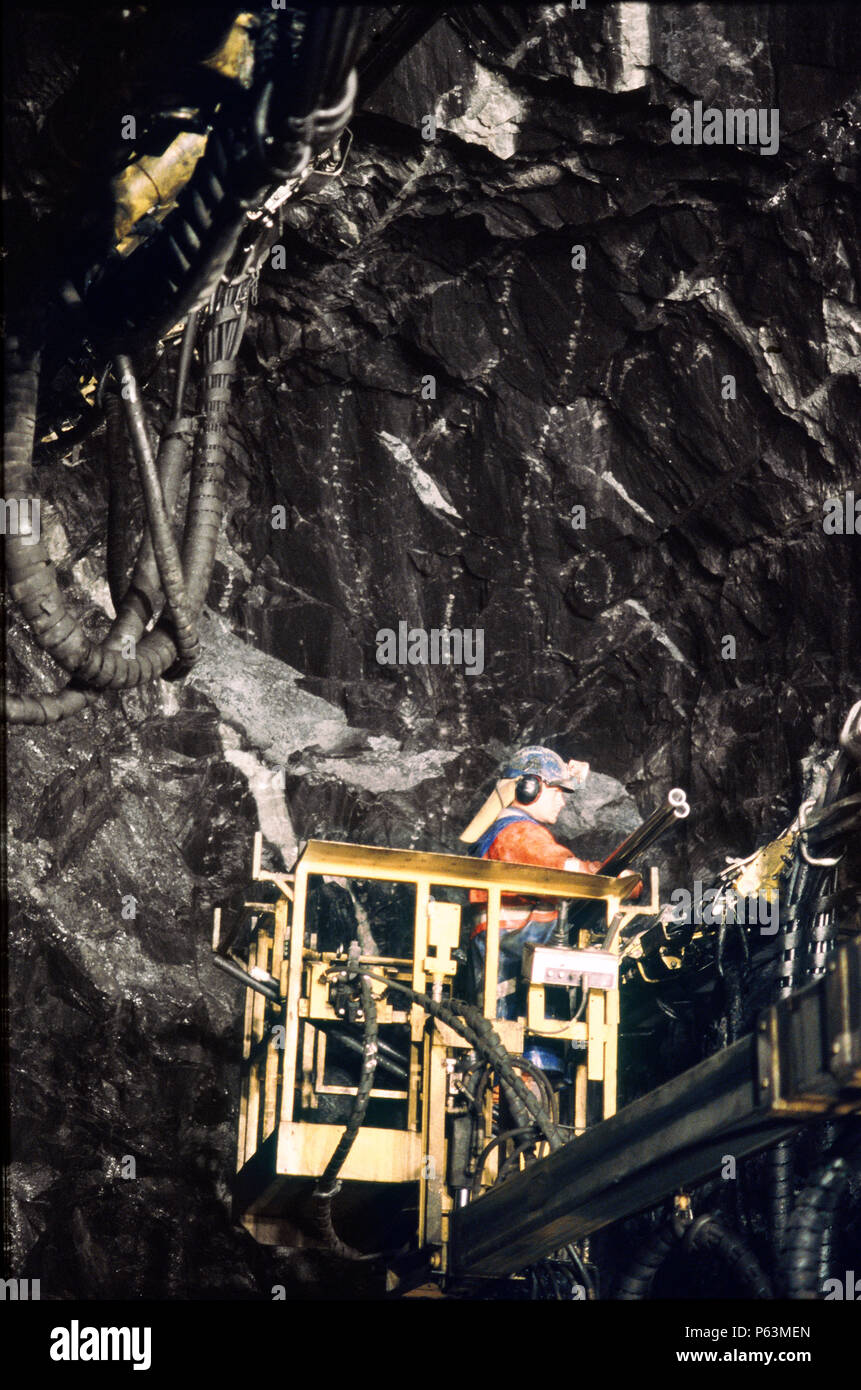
(557, 387)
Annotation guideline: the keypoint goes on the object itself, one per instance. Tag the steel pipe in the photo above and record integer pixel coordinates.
(675, 808)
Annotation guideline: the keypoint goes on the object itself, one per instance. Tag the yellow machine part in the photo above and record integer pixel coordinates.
(280, 1150)
(151, 184)
(761, 874)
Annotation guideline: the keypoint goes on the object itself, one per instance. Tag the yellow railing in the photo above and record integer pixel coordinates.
(281, 1036)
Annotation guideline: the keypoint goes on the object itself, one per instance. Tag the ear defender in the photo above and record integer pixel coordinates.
(528, 789)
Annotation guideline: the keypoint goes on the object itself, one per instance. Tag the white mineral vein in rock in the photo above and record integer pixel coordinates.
(634, 45)
(266, 785)
(259, 695)
(843, 334)
(423, 484)
(393, 771)
(492, 114)
(659, 634)
(607, 477)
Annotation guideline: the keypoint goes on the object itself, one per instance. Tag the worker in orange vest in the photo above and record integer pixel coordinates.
(513, 825)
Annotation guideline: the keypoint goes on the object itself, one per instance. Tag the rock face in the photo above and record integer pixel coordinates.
(547, 375)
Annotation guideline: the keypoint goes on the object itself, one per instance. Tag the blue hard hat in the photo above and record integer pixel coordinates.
(543, 763)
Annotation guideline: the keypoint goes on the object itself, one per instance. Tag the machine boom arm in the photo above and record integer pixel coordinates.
(803, 1059)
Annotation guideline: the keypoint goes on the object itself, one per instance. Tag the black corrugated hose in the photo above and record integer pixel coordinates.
(173, 273)
(328, 1185)
(781, 1173)
(805, 1259)
(638, 1281)
(479, 1032)
(32, 578)
(704, 1234)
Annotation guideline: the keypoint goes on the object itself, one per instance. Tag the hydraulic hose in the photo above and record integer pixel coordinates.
(121, 514)
(143, 593)
(33, 583)
(488, 1150)
(542, 1082)
(221, 345)
(479, 1032)
(328, 1186)
(158, 522)
(651, 1256)
(807, 1239)
(707, 1235)
(31, 577)
(129, 301)
(781, 1172)
(104, 665)
(710, 1236)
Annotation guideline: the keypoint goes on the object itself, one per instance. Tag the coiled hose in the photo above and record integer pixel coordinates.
(328, 1185)
(31, 575)
(483, 1038)
(470, 1023)
(807, 1253)
(706, 1235)
(127, 304)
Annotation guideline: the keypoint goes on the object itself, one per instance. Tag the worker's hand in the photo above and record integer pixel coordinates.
(638, 891)
(578, 772)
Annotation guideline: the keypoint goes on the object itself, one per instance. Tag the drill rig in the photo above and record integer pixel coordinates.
(382, 1116)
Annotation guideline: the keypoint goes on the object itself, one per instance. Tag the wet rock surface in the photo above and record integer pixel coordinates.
(557, 388)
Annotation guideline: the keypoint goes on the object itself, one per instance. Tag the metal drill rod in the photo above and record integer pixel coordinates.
(387, 1057)
(675, 808)
(268, 990)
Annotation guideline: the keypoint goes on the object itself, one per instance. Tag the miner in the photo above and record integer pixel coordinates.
(513, 825)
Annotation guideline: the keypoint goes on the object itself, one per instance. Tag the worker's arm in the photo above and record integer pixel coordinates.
(591, 866)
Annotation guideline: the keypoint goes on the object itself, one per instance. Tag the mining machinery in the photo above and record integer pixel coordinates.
(384, 1116)
(159, 199)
